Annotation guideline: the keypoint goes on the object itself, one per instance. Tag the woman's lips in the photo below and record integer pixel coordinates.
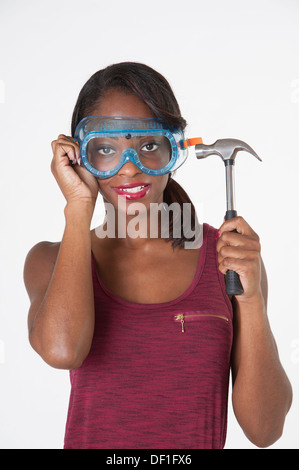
(133, 190)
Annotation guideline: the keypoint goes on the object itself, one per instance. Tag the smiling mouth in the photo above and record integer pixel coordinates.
(133, 191)
(136, 189)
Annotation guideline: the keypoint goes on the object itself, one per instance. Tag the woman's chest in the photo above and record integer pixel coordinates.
(148, 277)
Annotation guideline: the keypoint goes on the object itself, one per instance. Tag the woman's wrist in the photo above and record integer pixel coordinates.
(79, 211)
(255, 303)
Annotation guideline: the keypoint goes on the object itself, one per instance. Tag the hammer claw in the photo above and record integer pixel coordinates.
(226, 149)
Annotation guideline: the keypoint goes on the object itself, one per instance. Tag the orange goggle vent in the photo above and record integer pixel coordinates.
(190, 142)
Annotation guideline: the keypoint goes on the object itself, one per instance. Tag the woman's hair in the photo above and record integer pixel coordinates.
(154, 90)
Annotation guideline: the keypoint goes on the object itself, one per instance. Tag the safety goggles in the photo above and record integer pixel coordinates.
(107, 143)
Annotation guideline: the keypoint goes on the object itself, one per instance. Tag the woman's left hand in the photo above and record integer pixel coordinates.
(241, 252)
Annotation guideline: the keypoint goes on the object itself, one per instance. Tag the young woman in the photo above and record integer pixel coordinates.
(143, 324)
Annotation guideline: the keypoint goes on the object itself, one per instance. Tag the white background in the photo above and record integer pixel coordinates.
(234, 68)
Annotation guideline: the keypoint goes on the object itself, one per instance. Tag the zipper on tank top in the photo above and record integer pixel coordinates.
(186, 317)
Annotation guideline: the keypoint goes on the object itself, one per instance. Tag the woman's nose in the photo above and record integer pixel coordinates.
(129, 169)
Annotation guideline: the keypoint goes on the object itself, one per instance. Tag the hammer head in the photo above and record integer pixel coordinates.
(227, 149)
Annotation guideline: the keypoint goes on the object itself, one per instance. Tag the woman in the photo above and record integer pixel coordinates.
(145, 326)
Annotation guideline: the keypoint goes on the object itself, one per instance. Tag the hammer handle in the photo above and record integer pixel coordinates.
(232, 280)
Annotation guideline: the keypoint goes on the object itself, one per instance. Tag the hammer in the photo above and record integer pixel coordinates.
(227, 149)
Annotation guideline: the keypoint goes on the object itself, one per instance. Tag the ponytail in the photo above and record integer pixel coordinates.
(174, 193)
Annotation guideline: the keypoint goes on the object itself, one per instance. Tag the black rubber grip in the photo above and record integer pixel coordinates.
(233, 284)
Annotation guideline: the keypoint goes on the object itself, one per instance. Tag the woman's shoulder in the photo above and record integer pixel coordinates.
(207, 231)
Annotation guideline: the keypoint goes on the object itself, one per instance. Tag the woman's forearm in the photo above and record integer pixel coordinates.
(63, 326)
(262, 393)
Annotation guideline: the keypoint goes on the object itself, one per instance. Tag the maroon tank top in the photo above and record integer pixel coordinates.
(157, 375)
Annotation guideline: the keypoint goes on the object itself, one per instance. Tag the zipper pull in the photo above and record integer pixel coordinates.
(181, 318)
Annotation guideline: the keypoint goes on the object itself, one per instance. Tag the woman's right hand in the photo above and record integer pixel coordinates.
(76, 183)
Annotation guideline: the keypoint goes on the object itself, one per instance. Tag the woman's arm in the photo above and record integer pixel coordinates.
(58, 278)
(262, 393)
(61, 315)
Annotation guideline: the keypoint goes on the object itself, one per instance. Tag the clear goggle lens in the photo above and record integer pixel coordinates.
(105, 153)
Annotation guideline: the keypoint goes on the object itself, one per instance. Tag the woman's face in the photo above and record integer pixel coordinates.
(130, 183)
